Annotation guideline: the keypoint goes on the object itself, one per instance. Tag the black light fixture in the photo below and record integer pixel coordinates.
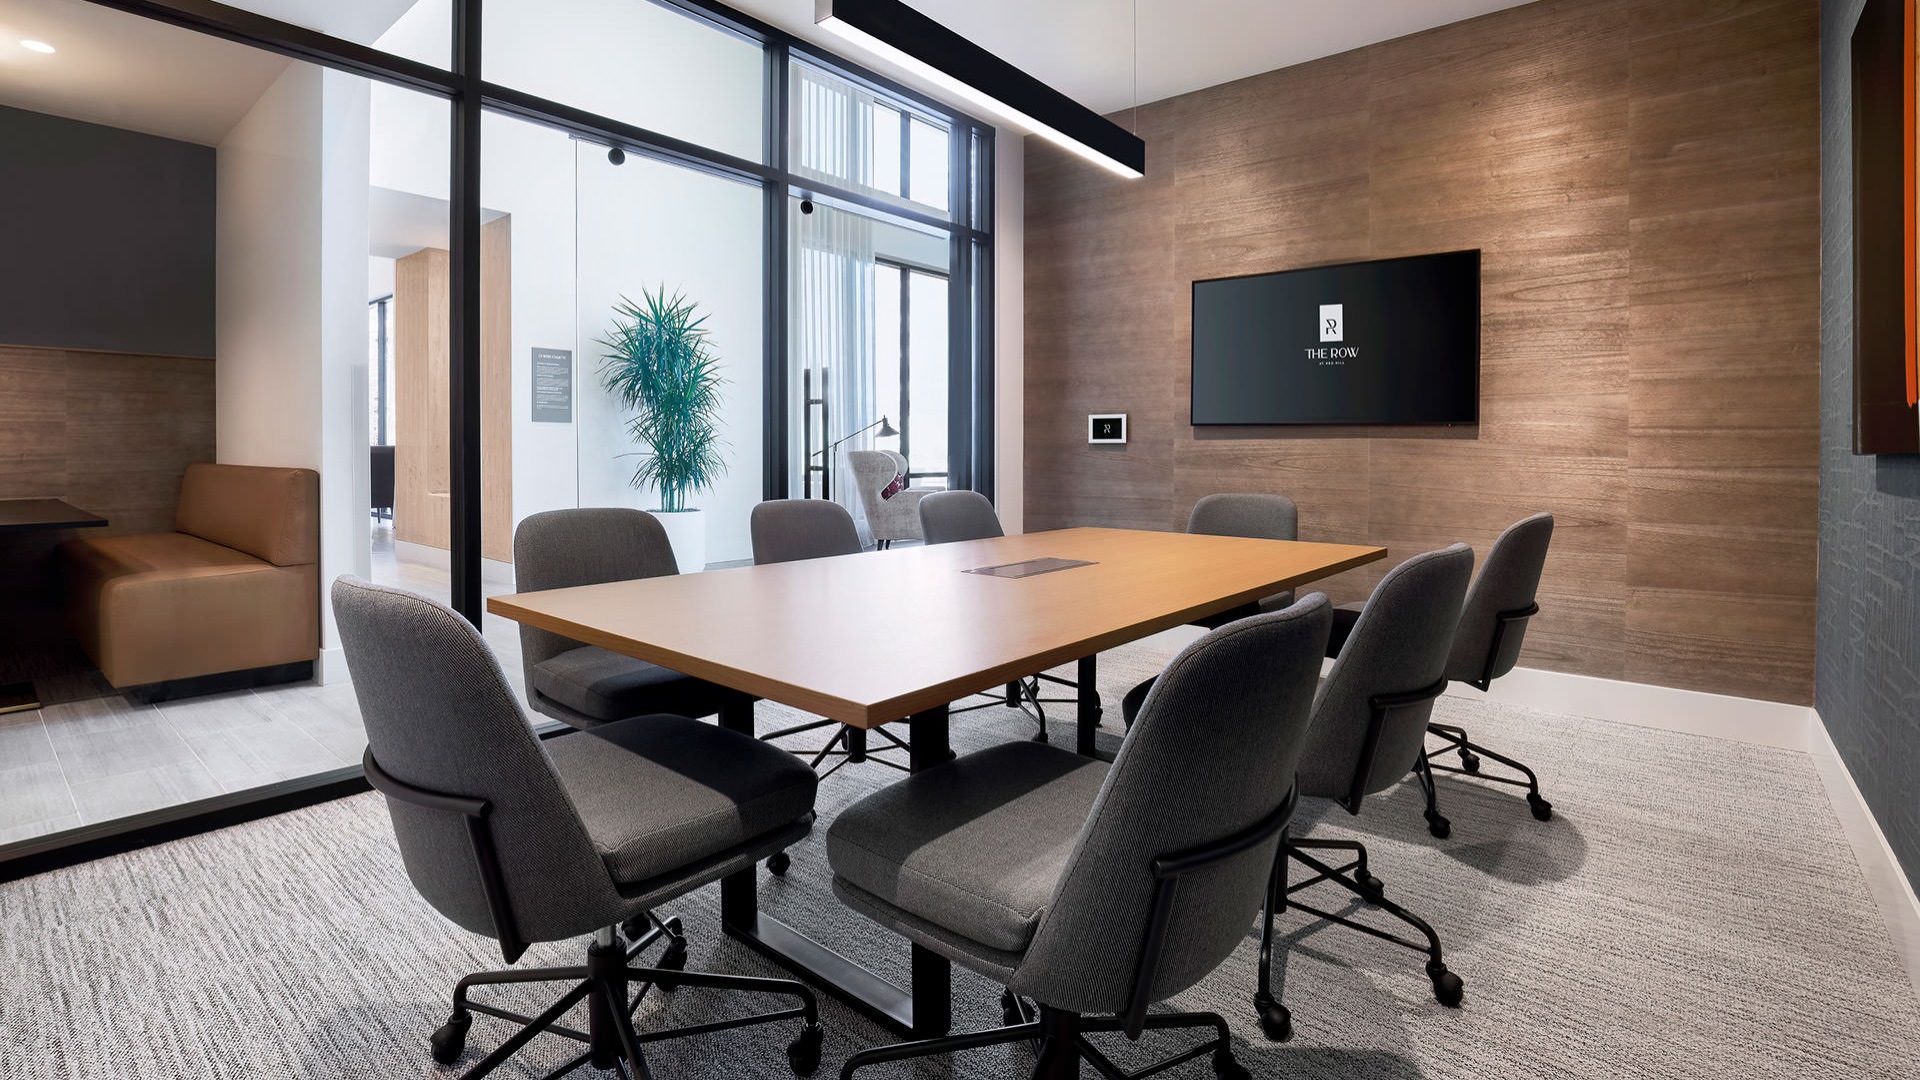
(898, 33)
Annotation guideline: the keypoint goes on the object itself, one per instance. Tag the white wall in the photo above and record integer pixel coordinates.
(290, 371)
(1009, 338)
(646, 225)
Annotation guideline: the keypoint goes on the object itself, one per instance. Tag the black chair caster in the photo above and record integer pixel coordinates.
(1276, 1020)
(1439, 826)
(1226, 1068)
(450, 1040)
(1470, 761)
(777, 864)
(1372, 889)
(803, 1053)
(1448, 990)
(674, 959)
(1542, 809)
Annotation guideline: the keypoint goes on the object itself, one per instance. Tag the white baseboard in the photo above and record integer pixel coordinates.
(1891, 889)
(1720, 716)
(331, 667)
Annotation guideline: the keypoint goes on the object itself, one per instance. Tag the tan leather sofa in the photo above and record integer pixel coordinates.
(235, 586)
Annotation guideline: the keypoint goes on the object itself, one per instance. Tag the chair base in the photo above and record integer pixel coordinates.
(1061, 1038)
(1470, 754)
(1275, 1021)
(611, 1042)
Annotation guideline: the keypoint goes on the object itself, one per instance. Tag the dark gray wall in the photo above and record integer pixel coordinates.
(1867, 653)
(109, 240)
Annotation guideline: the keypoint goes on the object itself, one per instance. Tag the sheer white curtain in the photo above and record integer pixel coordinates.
(833, 281)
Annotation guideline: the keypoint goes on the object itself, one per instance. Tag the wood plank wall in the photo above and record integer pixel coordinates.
(422, 477)
(1643, 179)
(107, 432)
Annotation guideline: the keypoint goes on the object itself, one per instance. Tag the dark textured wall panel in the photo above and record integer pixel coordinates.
(109, 241)
(1642, 178)
(1867, 682)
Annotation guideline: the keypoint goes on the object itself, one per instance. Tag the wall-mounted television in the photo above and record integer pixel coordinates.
(1392, 341)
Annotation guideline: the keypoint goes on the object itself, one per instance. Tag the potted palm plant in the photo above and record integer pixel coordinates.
(661, 367)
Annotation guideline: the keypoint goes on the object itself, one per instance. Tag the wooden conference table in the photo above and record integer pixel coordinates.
(877, 637)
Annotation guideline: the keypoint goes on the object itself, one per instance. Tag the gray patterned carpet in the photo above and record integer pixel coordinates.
(1691, 911)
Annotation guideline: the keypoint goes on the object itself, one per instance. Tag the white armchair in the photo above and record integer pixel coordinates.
(894, 516)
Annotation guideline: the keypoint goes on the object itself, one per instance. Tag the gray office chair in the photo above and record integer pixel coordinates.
(585, 685)
(1487, 644)
(948, 517)
(527, 841)
(1369, 730)
(1257, 517)
(951, 517)
(788, 530)
(792, 530)
(1098, 890)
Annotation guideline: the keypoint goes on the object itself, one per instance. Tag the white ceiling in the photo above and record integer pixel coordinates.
(128, 72)
(1085, 48)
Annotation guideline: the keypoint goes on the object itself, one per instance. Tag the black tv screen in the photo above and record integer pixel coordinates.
(1395, 341)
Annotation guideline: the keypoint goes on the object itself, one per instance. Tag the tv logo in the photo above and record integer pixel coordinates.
(1333, 322)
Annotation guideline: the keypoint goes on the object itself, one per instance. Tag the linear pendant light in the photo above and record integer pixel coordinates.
(898, 33)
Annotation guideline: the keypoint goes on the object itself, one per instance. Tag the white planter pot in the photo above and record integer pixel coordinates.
(687, 532)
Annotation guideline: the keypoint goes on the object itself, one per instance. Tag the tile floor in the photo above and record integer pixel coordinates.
(89, 761)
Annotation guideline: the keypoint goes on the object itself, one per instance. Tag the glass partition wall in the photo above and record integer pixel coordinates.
(541, 177)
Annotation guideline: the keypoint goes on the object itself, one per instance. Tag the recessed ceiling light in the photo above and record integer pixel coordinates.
(36, 46)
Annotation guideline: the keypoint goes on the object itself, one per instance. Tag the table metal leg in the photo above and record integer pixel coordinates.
(925, 1012)
(1088, 695)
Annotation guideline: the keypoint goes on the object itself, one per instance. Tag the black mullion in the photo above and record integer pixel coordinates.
(776, 245)
(629, 137)
(986, 451)
(463, 389)
(960, 444)
(288, 39)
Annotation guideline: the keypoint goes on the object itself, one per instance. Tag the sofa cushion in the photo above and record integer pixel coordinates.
(977, 845)
(271, 514)
(104, 557)
(659, 793)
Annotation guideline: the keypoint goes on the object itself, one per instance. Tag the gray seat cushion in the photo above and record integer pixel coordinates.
(604, 685)
(976, 846)
(658, 793)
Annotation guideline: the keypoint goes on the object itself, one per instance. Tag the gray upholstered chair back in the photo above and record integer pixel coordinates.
(1399, 645)
(787, 530)
(1212, 753)
(1260, 517)
(872, 471)
(1508, 581)
(950, 516)
(441, 716)
(562, 549)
